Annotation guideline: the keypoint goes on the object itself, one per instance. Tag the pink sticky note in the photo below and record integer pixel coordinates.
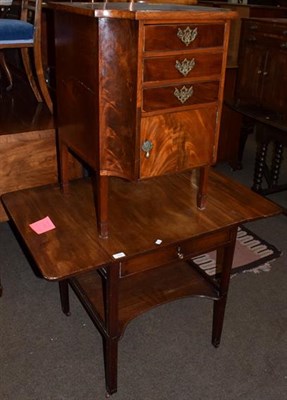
(42, 226)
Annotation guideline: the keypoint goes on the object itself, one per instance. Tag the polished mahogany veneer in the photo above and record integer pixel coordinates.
(139, 90)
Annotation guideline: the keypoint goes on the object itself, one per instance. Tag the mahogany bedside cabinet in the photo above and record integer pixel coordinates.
(139, 90)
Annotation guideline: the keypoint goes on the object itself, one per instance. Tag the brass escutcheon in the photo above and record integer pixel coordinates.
(185, 66)
(187, 35)
(183, 94)
(146, 147)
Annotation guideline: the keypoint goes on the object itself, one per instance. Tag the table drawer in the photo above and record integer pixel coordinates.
(184, 94)
(178, 252)
(182, 36)
(191, 65)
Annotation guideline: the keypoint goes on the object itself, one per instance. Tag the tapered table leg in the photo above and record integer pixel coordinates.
(64, 296)
(111, 338)
(225, 257)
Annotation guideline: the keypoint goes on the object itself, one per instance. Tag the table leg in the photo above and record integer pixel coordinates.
(260, 162)
(224, 262)
(64, 296)
(276, 163)
(111, 297)
(247, 129)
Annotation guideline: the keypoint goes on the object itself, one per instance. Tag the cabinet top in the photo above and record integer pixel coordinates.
(143, 11)
(273, 21)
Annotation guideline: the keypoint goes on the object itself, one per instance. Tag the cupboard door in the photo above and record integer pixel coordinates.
(251, 74)
(174, 142)
(274, 92)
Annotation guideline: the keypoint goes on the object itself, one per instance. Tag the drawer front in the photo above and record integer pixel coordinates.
(179, 141)
(174, 253)
(267, 29)
(183, 94)
(182, 36)
(266, 34)
(191, 65)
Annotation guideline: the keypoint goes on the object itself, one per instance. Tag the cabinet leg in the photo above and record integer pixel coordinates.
(225, 256)
(64, 296)
(202, 187)
(101, 192)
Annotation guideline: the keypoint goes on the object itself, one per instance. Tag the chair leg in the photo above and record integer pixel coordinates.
(6, 69)
(29, 73)
(41, 78)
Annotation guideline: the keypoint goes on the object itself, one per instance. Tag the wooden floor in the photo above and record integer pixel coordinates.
(28, 155)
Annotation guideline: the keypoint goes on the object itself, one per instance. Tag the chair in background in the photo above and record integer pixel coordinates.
(25, 34)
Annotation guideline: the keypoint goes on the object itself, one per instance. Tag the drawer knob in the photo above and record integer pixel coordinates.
(146, 147)
(183, 94)
(179, 253)
(254, 27)
(185, 66)
(187, 35)
(283, 45)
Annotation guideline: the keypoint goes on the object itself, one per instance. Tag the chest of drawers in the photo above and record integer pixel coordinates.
(139, 90)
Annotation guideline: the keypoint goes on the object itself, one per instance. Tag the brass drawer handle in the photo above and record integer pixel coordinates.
(183, 94)
(187, 35)
(185, 66)
(147, 147)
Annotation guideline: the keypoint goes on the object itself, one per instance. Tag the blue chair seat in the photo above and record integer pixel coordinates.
(16, 31)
